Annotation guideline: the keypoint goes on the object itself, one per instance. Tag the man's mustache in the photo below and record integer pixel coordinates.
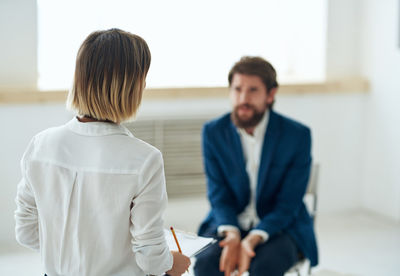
(246, 105)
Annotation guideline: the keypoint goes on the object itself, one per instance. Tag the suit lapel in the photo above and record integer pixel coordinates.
(270, 139)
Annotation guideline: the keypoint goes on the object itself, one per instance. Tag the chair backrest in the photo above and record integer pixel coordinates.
(312, 188)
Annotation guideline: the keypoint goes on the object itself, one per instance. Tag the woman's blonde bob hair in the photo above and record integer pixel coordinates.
(110, 76)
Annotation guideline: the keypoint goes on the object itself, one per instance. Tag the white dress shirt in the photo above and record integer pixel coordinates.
(252, 147)
(91, 201)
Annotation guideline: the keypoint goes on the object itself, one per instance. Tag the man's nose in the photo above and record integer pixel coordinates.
(244, 97)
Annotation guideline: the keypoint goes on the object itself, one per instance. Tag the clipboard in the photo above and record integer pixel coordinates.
(190, 243)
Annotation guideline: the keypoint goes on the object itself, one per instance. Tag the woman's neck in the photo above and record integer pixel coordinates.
(88, 119)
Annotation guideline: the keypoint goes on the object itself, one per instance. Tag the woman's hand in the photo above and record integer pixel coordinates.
(180, 265)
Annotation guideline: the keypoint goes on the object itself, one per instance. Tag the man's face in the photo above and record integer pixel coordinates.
(250, 100)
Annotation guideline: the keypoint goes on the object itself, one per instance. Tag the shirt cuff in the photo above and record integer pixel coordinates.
(264, 235)
(222, 228)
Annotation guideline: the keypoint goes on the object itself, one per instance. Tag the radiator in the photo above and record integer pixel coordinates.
(179, 140)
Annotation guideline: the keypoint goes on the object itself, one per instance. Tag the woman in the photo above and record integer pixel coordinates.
(92, 195)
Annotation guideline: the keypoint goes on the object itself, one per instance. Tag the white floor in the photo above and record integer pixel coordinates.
(354, 243)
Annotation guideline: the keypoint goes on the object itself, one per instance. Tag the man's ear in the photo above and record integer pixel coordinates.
(271, 95)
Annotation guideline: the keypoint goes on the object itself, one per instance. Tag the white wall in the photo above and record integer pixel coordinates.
(19, 124)
(343, 40)
(18, 54)
(381, 64)
(363, 40)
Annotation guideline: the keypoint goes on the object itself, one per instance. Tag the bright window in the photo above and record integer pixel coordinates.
(193, 43)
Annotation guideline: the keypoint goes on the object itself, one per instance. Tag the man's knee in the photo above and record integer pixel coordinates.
(274, 257)
(265, 266)
(207, 262)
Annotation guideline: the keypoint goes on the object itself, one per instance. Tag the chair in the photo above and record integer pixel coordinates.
(312, 191)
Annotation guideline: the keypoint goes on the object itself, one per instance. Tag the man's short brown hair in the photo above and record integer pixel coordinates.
(110, 75)
(255, 66)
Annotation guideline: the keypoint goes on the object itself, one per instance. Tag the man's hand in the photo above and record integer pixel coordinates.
(230, 252)
(247, 251)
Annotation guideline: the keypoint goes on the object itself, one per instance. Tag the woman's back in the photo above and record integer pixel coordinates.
(84, 178)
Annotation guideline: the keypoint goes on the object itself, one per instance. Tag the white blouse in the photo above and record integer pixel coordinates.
(91, 200)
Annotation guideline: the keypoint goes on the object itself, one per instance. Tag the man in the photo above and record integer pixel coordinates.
(257, 165)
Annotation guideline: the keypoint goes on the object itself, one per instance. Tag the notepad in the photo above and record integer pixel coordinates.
(191, 244)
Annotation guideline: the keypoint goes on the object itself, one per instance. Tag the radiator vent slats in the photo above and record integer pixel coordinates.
(179, 140)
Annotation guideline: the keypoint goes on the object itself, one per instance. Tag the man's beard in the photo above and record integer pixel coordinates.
(250, 122)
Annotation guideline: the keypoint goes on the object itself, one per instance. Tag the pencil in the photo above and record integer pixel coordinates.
(176, 240)
(177, 243)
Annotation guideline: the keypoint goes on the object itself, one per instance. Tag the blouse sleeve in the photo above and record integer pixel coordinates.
(26, 214)
(148, 241)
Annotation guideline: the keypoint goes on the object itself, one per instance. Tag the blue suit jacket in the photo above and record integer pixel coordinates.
(282, 179)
